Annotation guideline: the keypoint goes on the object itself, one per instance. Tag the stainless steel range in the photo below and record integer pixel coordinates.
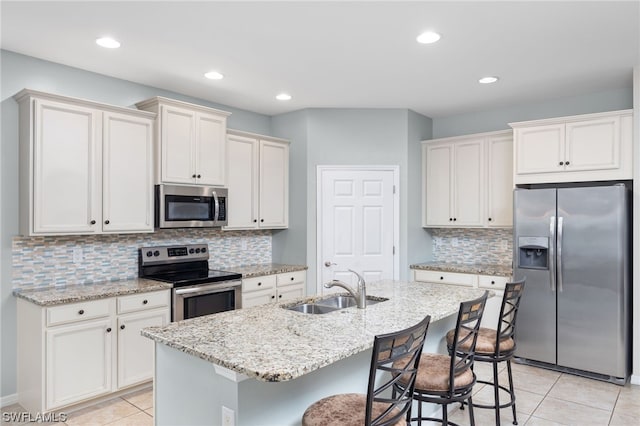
(197, 290)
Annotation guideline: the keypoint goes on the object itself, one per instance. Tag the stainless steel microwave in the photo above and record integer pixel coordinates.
(180, 206)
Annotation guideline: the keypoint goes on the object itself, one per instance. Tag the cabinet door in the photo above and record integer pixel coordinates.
(66, 168)
(127, 188)
(177, 144)
(438, 184)
(242, 182)
(469, 183)
(274, 185)
(593, 144)
(500, 181)
(256, 298)
(135, 352)
(291, 292)
(78, 362)
(539, 149)
(211, 146)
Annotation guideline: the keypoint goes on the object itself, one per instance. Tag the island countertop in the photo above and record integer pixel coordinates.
(466, 268)
(273, 344)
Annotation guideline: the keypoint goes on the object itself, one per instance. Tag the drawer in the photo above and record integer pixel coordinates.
(290, 278)
(488, 281)
(264, 282)
(445, 277)
(143, 301)
(80, 311)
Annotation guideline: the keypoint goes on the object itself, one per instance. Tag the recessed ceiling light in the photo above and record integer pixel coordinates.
(108, 42)
(488, 80)
(283, 97)
(428, 37)
(214, 75)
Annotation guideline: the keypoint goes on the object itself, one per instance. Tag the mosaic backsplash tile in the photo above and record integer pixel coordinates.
(473, 245)
(48, 261)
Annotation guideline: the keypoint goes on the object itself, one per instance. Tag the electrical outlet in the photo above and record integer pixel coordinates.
(454, 242)
(244, 244)
(78, 256)
(228, 416)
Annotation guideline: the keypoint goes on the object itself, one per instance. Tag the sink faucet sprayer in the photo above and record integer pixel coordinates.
(360, 295)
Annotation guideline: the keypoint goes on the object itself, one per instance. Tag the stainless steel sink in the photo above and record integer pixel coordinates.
(331, 304)
(312, 308)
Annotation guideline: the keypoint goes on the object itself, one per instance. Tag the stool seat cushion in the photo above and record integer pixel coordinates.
(433, 374)
(344, 410)
(486, 343)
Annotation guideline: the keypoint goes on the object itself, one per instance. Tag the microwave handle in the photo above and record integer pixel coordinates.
(216, 206)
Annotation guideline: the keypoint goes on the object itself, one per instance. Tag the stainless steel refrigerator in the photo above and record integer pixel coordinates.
(573, 246)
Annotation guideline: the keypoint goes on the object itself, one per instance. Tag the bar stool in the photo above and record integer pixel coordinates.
(395, 357)
(445, 379)
(487, 350)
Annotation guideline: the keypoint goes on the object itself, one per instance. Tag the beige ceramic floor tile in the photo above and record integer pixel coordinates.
(102, 413)
(149, 412)
(581, 390)
(619, 419)
(526, 402)
(628, 404)
(529, 369)
(570, 413)
(535, 421)
(535, 381)
(484, 370)
(13, 415)
(486, 417)
(138, 419)
(142, 399)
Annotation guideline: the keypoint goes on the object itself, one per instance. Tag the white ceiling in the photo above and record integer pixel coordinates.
(342, 54)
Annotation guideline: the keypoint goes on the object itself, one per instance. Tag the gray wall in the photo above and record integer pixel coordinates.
(19, 72)
(499, 119)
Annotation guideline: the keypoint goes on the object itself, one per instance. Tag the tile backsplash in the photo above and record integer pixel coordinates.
(472, 245)
(82, 259)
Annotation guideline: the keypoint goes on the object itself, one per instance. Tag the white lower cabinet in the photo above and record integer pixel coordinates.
(74, 352)
(487, 282)
(271, 288)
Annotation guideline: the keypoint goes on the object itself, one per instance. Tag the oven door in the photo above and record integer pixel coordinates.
(205, 299)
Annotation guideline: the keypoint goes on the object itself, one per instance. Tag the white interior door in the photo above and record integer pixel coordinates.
(357, 224)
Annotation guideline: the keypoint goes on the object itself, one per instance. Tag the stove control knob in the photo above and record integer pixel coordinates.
(149, 253)
(197, 250)
(191, 251)
(156, 253)
(204, 249)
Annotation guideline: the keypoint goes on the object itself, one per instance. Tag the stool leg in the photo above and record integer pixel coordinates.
(496, 392)
(472, 420)
(513, 394)
(445, 415)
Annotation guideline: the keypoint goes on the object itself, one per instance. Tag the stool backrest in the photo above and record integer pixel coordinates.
(467, 327)
(508, 313)
(403, 348)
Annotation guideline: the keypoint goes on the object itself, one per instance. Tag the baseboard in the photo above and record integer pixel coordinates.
(635, 379)
(8, 400)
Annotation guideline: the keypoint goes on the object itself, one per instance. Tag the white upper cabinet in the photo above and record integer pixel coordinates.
(258, 181)
(467, 181)
(572, 149)
(85, 167)
(190, 142)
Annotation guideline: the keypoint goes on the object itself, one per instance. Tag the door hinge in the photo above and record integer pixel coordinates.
(394, 249)
(394, 189)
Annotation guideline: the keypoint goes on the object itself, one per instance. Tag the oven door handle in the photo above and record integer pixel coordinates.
(194, 291)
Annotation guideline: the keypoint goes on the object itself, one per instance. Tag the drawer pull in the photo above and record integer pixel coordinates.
(291, 278)
(109, 330)
(259, 284)
(145, 301)
(493, 282)
(122, 327)
(81, 311)
(273, 297)
(280, 296)
(442, 278)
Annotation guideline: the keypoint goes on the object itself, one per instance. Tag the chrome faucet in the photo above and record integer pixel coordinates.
(360, 295)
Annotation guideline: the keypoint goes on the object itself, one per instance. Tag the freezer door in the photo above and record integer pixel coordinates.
(593, 273)
(534, 210)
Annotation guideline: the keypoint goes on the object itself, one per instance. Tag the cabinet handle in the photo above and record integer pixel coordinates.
(81, 312)
(93, 222)
(122, 327)
(109, 330)
(145, 301)
(561, 163)
(566, 163)
(106, 222)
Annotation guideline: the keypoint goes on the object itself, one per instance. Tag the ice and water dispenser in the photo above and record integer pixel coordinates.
(533, 252)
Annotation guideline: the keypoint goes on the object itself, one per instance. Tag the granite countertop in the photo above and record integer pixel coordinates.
(49, 296)
(273, 344)
(500, 270)
(260, 269)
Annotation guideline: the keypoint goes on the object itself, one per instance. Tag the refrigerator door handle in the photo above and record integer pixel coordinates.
(552, 253)
(559, 265)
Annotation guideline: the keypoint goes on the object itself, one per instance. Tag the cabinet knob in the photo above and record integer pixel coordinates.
(454, 219)
(199, 176)
(490, 219)
(493, 282)
(450, 219)
(106, 222)
(145, 301)
(566, 163)
(122, 327)
(255, 220)
(81, 312)
(259, 284)
(291, 278)
(109, 330)
(261, 220)
(193, 175)
(442, 278)
(561, 163)
(273, 297)
(280, 296)
(93, 222)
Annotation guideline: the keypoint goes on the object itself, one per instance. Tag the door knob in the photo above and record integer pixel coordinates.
(328, 264)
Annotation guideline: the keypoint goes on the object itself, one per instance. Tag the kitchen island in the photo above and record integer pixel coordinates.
(264, 365)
